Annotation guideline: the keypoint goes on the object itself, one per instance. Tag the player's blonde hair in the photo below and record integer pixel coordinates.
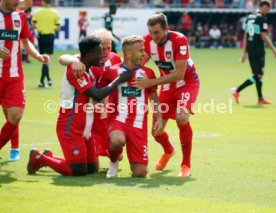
(129, 41)
(103, 34)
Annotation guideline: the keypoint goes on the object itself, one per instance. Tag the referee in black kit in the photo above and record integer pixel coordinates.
(46, 21)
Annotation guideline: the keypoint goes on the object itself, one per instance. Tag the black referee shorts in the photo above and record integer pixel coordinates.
(46, 43)
(257, 63)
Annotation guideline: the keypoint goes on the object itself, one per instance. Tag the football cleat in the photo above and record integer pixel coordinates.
(48, 152)
(14, 155)
(113, 170)
(161, 164)
(235, 93)
(33, 164)
(185, 172)
(264, 101)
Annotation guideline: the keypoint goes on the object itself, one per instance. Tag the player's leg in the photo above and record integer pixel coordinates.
(117, 141)
(92, 157)
(186, 97)
(137, 151)
(168, 107)
(41, 46)
(14, 152)
(12, 95)
(49, 49)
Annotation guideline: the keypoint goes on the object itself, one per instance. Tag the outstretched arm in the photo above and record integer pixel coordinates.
(99, 94)
(157, 121)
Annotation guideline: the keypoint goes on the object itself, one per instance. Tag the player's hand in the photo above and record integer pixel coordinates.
(243, 58)
(78, 69)
(125, 76)
(142, 83)
(44, 58)
(4, 53)
(157, 126)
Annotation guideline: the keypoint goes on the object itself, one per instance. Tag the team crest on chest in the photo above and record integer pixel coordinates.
(168, 54)
(16, 23)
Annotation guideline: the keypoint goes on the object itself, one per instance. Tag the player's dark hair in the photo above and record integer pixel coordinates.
(265, 3)
(88, 44)
(112, 6)
(158, 18)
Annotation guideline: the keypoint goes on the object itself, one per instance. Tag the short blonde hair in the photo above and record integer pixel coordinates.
(129, 41)
(103, 34)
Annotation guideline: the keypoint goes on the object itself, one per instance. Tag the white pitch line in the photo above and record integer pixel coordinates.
(38, 121)
(36, 144)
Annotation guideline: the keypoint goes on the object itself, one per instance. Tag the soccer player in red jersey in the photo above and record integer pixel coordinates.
(128, 125)
(14, 27)
(109, 59)
(76, 117)
(180, 85)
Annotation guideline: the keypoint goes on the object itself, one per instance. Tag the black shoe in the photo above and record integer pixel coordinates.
(50, 83)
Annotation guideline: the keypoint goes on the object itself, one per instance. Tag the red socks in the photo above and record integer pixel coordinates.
(186, 136)
(15, 139)
(163, 139)
(7, 132)
(114, 155)
(57, 164)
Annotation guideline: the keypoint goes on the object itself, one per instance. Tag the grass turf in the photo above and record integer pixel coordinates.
(233, 160)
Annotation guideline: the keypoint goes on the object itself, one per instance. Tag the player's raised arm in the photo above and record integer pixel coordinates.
(268, 42)
(77, 66)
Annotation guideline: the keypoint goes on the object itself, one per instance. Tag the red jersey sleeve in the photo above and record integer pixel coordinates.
(24, 34)
(181, 48)
(81, 84)
(151, 75)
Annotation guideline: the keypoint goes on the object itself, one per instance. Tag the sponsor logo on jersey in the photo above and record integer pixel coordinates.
(164, 65)
(183, 50)
(130, 92)
(16, 23)
(82, 81)
(168, 54)
(9, 35)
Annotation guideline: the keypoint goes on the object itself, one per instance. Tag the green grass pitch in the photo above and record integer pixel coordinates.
(233, 159)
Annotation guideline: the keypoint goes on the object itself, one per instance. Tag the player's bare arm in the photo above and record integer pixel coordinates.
(4, 53)
(77, 66)
(24, 4)
(100, 94)
(178, 75)
(157, 125)
(30, 49)
(244, 53)
(268, 42)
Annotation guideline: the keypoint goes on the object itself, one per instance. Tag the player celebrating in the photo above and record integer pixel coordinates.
(76, 117)
(109, 59)
(180, 86)
(14, 25)
(254, 38)
(128, 124)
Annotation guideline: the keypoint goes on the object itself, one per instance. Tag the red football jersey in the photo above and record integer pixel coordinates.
(175, 48)
(129, 103)
(76, 112)
(13, 27)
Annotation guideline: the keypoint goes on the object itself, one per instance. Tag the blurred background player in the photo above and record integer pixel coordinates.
(83, 24)
(108, 24)
(46, 22)
(253, 44)
(75, 121)
(12, 92)
(129, 127)
(180, 86)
